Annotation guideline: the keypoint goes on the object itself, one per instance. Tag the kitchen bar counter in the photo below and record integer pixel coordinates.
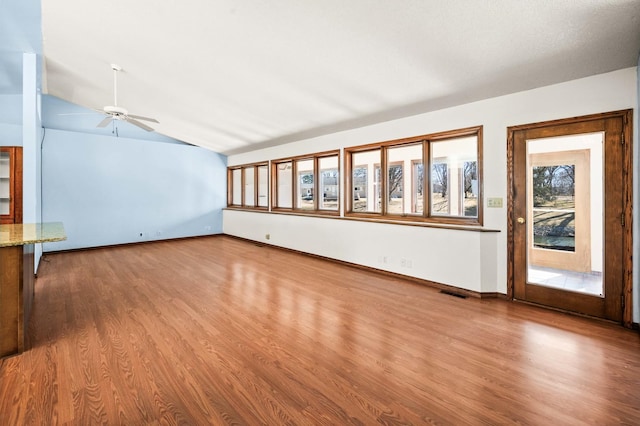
(17, 279)
(30, 233)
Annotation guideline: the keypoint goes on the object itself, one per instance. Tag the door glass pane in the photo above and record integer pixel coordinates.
(554, 204)
(565, 213)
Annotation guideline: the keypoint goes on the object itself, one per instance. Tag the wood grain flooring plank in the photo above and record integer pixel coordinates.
(223, 331)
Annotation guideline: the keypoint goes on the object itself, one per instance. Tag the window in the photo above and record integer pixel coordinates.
(284, 185)
(248, 186)
(249, 183)
(315, 188)
(263, 185)
(454, 177)
(400, 160)
(432, 178)
(235, 181)
(365, 180)
(453, 180)
(329, 183)
(305, 189)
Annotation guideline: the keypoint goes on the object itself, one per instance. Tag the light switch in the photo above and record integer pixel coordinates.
(495, 202)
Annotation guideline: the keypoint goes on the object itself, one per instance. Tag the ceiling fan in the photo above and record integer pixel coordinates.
(115, 112)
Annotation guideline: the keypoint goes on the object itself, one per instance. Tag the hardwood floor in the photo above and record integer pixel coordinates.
(222, 331)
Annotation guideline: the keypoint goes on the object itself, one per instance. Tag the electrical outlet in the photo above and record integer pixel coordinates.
(267, 236)
(207, 228)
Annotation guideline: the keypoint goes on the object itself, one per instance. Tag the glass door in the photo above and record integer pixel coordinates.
(569, 242)
(564, 213)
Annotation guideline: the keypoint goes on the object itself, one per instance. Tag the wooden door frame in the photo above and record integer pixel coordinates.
(627, 170)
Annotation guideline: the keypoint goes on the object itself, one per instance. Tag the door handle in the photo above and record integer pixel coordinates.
(521, 220)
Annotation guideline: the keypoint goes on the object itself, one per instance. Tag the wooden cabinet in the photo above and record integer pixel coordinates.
(17, 243)
(16, 297)
(10, 184)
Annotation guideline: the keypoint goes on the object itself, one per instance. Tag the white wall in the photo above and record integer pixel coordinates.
(10, 119)
(471, 260)
(31, 133)
(402, 249)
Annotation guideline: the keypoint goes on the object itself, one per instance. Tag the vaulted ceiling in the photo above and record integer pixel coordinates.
(234, 76)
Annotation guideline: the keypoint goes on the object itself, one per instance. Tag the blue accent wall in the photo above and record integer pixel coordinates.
(11, 117)
(105, 189)
(108, 190)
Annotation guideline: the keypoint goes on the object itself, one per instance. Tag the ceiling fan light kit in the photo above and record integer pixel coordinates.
(115, 111)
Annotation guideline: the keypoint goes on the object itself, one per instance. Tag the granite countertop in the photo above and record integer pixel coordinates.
(29, 233)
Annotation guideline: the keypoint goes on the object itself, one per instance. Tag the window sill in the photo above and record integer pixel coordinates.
(433, 220)
(403, 222)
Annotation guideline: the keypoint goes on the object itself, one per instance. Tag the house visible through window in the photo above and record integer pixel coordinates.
(305, 199)
(315, 188)
(329, 183)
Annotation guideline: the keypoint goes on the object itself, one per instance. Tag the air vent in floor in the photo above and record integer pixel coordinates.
(452, 293)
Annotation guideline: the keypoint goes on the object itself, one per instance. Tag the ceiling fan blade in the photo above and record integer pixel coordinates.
(139, 124)
(95, 111)
(138, 117)
(104, 122)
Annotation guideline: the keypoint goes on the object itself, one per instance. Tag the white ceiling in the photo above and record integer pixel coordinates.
(233, 76)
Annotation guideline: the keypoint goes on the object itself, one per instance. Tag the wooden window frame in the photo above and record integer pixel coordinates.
(321, 183)
(297, 193)
(275, 187)
(256, 188)
(426, 215)
(348, 180)
(407, 172)
(315, 157)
